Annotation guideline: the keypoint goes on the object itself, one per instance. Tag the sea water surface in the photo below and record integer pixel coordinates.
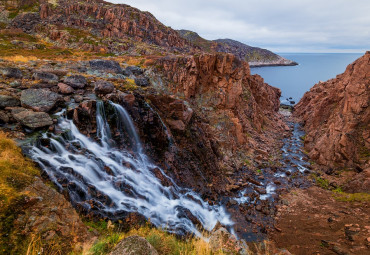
(294, 81)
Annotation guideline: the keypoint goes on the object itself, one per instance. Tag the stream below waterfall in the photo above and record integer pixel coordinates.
(102, 178)
(254, 208)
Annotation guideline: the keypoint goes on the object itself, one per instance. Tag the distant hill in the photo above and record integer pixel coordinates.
(253, 55)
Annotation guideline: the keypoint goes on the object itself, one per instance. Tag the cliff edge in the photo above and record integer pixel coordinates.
(336, 118)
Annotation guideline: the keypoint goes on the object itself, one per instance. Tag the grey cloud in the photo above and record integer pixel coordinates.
(281, 25)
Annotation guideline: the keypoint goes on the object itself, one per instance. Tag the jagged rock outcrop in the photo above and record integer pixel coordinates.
(99, 19)
(228, 96)
(47, 214)
(336, 118)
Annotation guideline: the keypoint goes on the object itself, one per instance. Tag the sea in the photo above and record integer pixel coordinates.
(294, 81)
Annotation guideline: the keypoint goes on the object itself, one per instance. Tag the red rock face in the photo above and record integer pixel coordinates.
(336, 117)
(221, 81)
(241, 108)
(112, 21)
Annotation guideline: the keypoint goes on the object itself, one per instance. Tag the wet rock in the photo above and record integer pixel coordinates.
(142, 82)
(261, 190)
(76, 81)
(45, 77)
(176, 125)
(105, 65)
(11, 72)
(33, 119)
(128, 98)
(134, 245)
(103, 87)
(41, 100)
(134, 70)
(8, 101)
(78, 98)
(65, 89)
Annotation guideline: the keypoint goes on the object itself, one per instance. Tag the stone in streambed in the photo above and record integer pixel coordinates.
(134, 245)
(8, 101)
(103, 87)
(41, 100)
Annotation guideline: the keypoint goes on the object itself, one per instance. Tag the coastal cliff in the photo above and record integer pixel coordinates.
(336, 118)
(255, 56)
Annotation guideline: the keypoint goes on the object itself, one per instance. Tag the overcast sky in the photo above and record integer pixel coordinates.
(279, 25)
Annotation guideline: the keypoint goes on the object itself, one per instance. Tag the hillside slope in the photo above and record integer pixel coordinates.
(253, 55)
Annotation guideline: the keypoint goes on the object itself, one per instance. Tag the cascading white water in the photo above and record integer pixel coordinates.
(99, 176)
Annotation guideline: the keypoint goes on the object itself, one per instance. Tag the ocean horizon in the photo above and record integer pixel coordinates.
(312, 68)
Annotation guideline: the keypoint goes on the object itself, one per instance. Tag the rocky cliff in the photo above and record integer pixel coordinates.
(336, 117)
(253, 55)
(92, 25)
(235, 102)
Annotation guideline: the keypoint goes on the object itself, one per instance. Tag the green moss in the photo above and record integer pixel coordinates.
(106, 244)
(339, 195)
(323, 183)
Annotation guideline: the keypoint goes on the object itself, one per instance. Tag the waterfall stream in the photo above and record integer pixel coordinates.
(101, 177)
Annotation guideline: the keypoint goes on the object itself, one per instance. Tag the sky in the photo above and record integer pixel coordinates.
(278, 25)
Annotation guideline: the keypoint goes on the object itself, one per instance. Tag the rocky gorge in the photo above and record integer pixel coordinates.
(168, 136)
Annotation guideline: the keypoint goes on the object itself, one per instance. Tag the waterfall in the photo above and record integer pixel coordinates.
(100, 177)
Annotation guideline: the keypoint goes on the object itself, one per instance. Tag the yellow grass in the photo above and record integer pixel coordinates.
(19, 58)
(15, 170)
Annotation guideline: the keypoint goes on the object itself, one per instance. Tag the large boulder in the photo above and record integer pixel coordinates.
(103, 87)
(45, 77)
(65, 89)
(134, 245)
(41, 100)
(76, 81)
(105, 66)
(11, 72)
(8, 101)
(33, 120)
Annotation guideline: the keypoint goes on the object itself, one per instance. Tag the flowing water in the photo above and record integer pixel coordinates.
(100, 177)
